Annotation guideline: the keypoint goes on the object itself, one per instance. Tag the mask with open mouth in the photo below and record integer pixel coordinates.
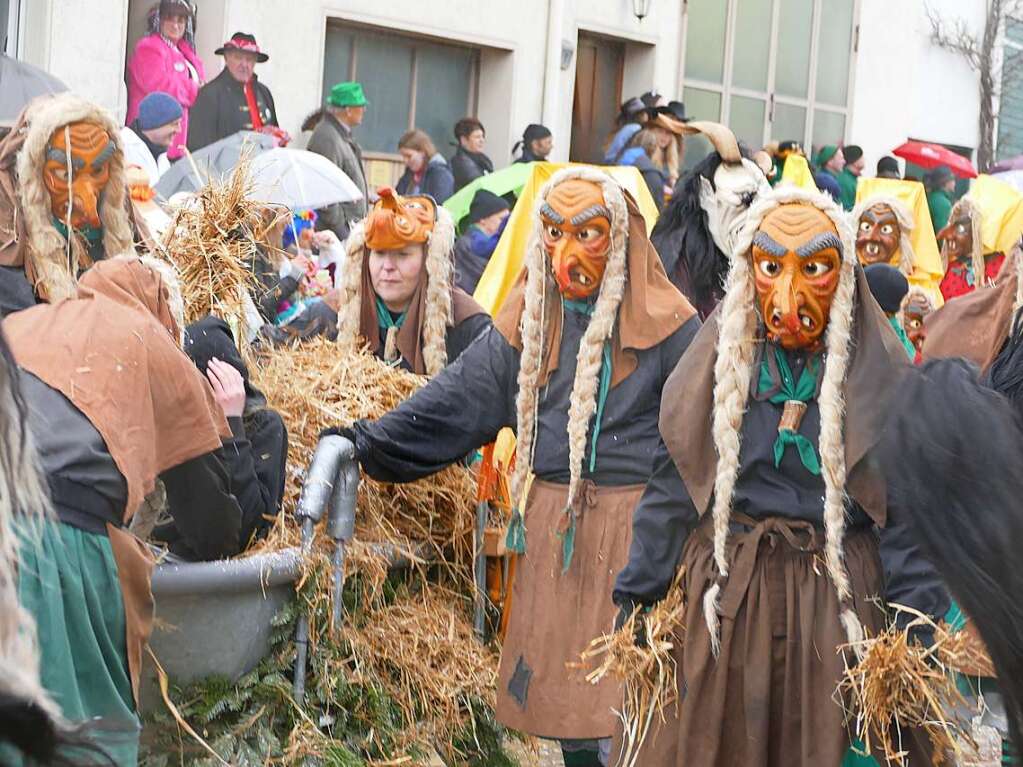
(918, 306)
(957, 241)
(796, 260)
(877, 235)
(576, 224)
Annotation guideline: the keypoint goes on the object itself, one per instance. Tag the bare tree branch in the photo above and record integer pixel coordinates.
(955, 36)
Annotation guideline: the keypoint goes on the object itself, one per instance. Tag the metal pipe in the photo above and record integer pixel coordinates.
(341, 519)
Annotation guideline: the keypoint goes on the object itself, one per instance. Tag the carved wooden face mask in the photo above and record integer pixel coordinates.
(577, 236)
(957, 240)
(77, 168)
(877, 235)
(796, 258)
(397, 221)
(916, 311)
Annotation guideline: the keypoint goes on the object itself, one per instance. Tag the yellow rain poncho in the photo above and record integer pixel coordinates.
(1001, 207)
(797, 172)
(927, 268)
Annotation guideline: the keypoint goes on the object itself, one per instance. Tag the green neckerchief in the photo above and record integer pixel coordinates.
(803, 390)
(384, 318)
(91, 234)
(901, 333)
(586, 308)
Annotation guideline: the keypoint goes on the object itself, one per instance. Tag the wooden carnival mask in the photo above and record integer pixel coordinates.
(397, 221)
(77, 169)
(796, 258)
(877, 235)
(957, 240)
(916, 311)
(577, 236)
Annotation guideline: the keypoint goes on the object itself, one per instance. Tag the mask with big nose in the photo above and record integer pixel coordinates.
(576, 226)
(796, 258)
(77, 168)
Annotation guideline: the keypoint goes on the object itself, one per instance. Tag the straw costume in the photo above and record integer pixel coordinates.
(764, 490)
(575, 363)
(440, 321)
(707, 208)
(62, 199)
(114, 404)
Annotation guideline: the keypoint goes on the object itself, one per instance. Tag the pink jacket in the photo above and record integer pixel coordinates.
(155, 66)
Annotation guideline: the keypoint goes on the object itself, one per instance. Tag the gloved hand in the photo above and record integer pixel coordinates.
(625, 610)
(341, 431)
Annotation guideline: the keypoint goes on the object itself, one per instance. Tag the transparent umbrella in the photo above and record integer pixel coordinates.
(19, 84)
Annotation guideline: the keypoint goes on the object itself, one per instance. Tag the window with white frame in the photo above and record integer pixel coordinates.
(9, 11)
(1010, 109)
(771, 69)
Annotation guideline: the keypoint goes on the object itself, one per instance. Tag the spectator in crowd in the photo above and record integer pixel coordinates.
(426, 171)
(889, 287)
(165, 60)
(829, 162)
(940, 185)
(468, 162)
(235, 99)
(332, 137)
(148, 139)
(888, 167)
(850, 174)
(488, 215)
(644, 155)
(631, 116)
(669, 129)
(536, 144)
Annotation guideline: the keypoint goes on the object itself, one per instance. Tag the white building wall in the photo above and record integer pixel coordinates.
(905, 86)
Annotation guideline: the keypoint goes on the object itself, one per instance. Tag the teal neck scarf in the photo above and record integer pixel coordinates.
(804, 390)
(384, 318)
(901, 333)
(586, 308)
(91, 234)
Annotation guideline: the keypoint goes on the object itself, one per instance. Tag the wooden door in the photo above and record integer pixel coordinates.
(598, 93)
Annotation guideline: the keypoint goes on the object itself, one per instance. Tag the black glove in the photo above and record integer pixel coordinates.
(625, 611)
(340, 431)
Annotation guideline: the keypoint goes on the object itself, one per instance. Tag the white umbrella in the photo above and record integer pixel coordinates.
(300, 179)
(19, 84)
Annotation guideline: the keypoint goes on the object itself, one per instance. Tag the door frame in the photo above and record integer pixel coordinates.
(598, 38)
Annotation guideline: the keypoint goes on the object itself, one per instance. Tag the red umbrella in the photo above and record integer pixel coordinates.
(932, 155)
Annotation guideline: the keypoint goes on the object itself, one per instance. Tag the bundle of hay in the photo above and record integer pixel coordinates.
(313, 385)
(898, 685)
(640, 655)
(212, 241)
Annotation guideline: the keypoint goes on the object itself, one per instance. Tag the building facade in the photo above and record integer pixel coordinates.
(817, 71)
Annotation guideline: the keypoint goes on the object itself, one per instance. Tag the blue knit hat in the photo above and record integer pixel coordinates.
(158, 109)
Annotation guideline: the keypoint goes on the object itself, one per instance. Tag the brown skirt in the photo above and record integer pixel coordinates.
(555, 615)
(769, 698)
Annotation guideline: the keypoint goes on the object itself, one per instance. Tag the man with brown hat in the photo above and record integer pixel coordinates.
(235, 99)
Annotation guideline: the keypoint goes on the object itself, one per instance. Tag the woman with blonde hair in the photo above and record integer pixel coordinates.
(426, 170)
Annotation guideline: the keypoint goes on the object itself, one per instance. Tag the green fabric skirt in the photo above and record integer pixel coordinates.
(67, 579)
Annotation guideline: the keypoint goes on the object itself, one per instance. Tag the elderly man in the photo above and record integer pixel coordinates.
(235, 99)
(332, 137)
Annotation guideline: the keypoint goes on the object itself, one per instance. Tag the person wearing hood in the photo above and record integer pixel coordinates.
(114, 405)
(257, 451)
(575, 362)
(850, 174)
(487, 217)
(426, 171)
(536, 144)
(235, 99)
(708, 206)
(397, 288)
(165, 61)
(469, 162)
(768, 497)
(54, 224)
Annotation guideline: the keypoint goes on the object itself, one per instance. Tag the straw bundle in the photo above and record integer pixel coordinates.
(899, 685)
(640, 655)
(314, 387)
(212, 242)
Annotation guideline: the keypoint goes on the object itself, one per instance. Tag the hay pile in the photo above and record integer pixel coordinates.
(899, 685)
(212, 241)
(640, 655)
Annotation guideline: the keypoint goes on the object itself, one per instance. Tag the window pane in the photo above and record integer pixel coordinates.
(834, 47)
(828, 128)
(1013, 29)
(383, 65)
(752, 44)
(747, 120)
(1010, 115)
(337, 55)
(789, 123)
(442, 90)
(795, 28)
(702, 104)
(705, 40)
